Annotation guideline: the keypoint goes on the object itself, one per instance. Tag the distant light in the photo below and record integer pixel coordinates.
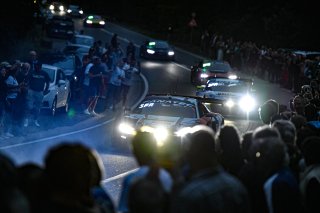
(171, 53)
(232, 77)
(206, 65)
(81, 11)
(150, 51)
(69, 11)
(102, 23)
(89, 22)
(152, 43)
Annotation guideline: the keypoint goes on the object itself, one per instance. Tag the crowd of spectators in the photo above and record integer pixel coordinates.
(105, 73)
(274, 168)
(288, 68)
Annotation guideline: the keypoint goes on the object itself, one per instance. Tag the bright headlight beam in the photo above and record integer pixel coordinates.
(170, 53)
(150, 51)
(126, 129)
(160, 134)
(101, 22)
(230, 103)
(204, 75)
(247, 103)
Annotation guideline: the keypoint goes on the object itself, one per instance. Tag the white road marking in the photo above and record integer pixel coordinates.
(108, 180)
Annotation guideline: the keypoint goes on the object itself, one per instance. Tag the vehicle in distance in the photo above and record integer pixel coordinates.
(230, 96)
(82, 40)
(60, 27)
(75, 11)
(59, 94)
(157, 49)
(57, 8)
(167, 115)
(94, 21)
(206, 69)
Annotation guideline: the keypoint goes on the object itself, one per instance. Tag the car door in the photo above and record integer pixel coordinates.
(63, 88)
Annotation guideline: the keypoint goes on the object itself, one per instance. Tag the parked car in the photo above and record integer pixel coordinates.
(59, 93)
(205, 69)
(82, 40)
(94, 21)
(75, 11)
(60, 27)
(76, 49)
(166, 115)
(70, 65)
(157, 49)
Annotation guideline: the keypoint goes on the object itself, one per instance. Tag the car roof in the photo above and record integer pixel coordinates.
(48, 66)
(83, 36)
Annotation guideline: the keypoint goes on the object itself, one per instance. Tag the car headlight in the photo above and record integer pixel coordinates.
(51, 7)
(204, 75)
(69, 11)
(230, 103)
(150, 51)
(160, 133)
(61, 8)
(232, 77)
(247, 103)
(102, 23)
(88, 21)
(127, 129)
(170, 53)
(81, 11)
(183, 131)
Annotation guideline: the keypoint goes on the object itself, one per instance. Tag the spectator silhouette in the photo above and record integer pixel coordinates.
(309, 181)
(72, 173)
(210, 188)
(280, 186)
(12, 199)
(144, 148)
(229, 150)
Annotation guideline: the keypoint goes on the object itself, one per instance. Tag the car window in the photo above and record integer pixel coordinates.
(166, 107)
(228, 85)
(51, 73)
(216, 67)
(60, 75)
(83, 41)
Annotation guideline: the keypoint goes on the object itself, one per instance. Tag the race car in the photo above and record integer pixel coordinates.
(157, 49)
(230, 96)
(206, 69)
(94, 21)
(167, 115)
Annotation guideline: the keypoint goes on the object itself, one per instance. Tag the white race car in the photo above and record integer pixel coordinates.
(231, 95)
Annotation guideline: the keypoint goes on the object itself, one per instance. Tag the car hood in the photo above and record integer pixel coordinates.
(220, 95)
(169, 122)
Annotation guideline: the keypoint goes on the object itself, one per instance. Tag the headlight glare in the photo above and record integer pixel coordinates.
(150, 51)
(204, 75)
(229, 103)
(232, 77)
(247, 103)
(126, 129)
(101, 22)
(170, 53)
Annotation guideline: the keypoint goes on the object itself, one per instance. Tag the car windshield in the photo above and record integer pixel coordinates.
(216, 67)
(167, 107)
(51, 73)
(159, 44)
(228, 85)
(82, 40)
(76, 49)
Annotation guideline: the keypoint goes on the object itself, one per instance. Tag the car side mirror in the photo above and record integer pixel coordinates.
(61, 82)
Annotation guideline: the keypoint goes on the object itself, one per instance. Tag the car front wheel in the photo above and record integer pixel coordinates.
(53, 109)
